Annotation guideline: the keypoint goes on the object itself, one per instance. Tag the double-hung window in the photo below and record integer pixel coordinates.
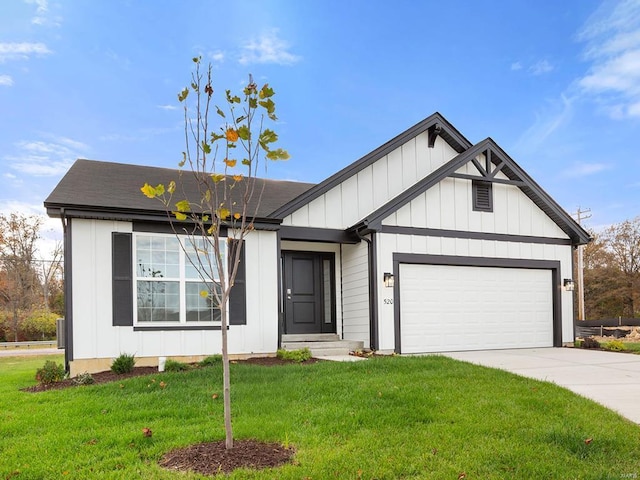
(168, 283)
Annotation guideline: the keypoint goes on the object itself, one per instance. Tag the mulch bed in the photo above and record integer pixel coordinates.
(213, 458)
(109, 376)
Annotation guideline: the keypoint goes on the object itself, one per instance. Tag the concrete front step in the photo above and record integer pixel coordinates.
(321, 344)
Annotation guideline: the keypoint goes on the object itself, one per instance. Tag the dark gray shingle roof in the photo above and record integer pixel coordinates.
(94, 186)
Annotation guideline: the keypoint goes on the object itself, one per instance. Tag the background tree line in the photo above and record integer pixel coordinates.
(612, 272)
(31, 287)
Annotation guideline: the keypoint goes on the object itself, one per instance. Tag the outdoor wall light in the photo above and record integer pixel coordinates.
(388, 279)
(569, 285)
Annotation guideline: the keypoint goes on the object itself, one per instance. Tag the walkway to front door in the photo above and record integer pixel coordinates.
(309, 292)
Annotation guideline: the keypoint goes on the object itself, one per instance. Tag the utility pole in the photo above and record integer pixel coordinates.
(581, 215)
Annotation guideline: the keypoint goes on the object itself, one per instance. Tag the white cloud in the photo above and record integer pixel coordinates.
(541, 67)
(167, 107)
(612, 37)
(43, 16)
(23, 50)
(268, 48)
(45, 158)
(516, 66)
(585, 169)
(553, 117)
(6, 81)
(217, 56)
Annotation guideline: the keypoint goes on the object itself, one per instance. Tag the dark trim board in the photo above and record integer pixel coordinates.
(423, 259)
(310, 234)
(68, 291)
(503, 237)
(507, 165)
(169, 328)
(447, 132)
(373, 292)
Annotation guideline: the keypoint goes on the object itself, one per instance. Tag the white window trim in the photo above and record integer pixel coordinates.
(182, 281)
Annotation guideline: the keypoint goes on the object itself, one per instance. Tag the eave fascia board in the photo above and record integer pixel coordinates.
(577, 234)
(125, 215)
(572, 228)
(373, 221)
(458, 142)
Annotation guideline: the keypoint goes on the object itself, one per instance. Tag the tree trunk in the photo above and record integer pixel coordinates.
(15, 323)
(225, 376)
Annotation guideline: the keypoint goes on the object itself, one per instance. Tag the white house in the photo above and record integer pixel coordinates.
(426, 244)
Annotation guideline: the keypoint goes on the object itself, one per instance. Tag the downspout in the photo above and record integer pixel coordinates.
(68, 331)
(373, 292)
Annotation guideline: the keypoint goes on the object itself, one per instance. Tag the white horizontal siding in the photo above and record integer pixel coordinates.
(355, 292)
(359, 195)
(95, 337)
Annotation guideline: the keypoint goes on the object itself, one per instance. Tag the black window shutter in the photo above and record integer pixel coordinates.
(122, 271)
(238, 296)
(482, 196)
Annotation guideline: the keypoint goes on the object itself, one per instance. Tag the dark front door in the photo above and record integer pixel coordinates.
(308, 292)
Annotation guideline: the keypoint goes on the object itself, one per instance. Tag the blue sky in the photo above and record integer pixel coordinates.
(556, 84)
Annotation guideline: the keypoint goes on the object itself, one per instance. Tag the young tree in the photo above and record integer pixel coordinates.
(222, 161)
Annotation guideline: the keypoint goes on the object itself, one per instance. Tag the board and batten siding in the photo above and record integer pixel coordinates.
(356, 197)
(95, 337)
(355, 292)
(388, 244)
(448, 206)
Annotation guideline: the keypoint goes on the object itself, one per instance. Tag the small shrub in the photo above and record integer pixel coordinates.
(590, 342)
(174, 366)
(614, 346)
(51, 372)
(210, 361)
(123, 364)
(84, 379)
(297, 356)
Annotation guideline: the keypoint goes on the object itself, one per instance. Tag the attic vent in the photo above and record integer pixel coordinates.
(482, 196)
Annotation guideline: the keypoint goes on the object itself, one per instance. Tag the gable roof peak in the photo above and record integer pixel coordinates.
(446, 131)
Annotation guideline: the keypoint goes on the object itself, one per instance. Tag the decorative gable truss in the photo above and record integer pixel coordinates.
(493, 166)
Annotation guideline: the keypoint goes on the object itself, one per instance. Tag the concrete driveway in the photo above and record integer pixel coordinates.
(611, 379)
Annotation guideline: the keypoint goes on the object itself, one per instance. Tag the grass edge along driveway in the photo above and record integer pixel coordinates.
(398, 417)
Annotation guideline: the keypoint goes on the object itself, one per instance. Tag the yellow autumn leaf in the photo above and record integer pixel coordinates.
(237, 178)
(148, 190)
(230, 162)
(217, 177)
(172, 186)
(231, 134)
(183, 206)
(223, 213)
(204, 293)
(237, 216)
(180, 215)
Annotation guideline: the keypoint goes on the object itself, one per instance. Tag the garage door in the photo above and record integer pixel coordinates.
(452, 308)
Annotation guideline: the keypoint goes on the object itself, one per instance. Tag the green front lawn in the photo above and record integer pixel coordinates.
(384, 418)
